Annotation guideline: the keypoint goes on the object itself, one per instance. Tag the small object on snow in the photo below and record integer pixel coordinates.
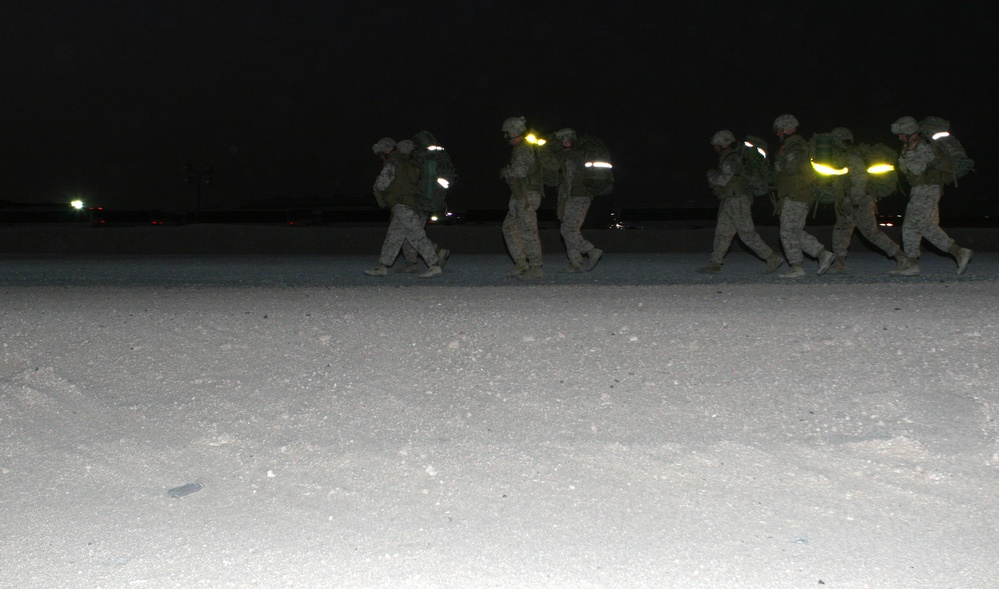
(184, 490)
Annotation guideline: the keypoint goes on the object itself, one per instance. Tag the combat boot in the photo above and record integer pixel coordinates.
(431, 272)
(408, 268)
(532, 273)
(773, 263)
(826, 258)
(838, 265)
(380, 270)
(711, 268)
(796, 271)
(573, 268)
(593, 256)
(963, 258)
(442, 256)
(910, 267)
(518, 268)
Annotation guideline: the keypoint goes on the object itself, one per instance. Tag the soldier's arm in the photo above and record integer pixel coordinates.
(385, 177)
(521, 162)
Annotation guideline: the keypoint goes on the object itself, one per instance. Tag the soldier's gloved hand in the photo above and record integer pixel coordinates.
(504, 172)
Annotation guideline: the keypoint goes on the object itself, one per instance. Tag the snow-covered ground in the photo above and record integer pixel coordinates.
(639, 426)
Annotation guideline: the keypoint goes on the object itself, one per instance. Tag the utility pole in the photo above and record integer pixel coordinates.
(199, 176)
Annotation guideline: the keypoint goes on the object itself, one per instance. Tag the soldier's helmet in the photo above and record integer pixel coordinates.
(405, 147)
(384, 145)
(723, 138)
(514, 126)
(843, 135)
(785, 123)
(566, 133)
(905, 126)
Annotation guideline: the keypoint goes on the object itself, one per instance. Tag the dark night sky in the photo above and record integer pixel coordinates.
(110, 99)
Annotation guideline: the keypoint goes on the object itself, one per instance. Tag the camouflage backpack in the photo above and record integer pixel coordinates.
(882, 179)
(437, 177)
(936, 130)
(598, 174)
(756, 171)
(828, 184)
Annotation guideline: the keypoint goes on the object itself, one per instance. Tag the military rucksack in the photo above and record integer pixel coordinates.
(756, 172)
(438, 175)
(548, 158)
(598, 170)
(829, 168)
(882, 179)
(936, 130)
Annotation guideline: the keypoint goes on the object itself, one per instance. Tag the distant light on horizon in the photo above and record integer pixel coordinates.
(76, 204)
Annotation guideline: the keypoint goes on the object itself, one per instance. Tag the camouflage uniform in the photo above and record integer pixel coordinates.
(397, 185)
(407, 224)
(857, 211)
(734, 210)
(574, 199)
(922, 214)
(520, 227)
(793, 179)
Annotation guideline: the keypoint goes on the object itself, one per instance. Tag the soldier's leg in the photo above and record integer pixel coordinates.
(529, 229)
(410, 256)
(512, 232)
(742, 220)
(918, 216)
(394, 238)
(792, 224)
(932, 231)
(414, 222)
(842, 231)
(725, 231)
(573, 215)
(867, 223)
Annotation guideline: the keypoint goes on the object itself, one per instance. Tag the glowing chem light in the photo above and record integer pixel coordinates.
(532, 138)
(606, 165)
(443, 182)
(940, 135)
(880, 169)
(829, 170)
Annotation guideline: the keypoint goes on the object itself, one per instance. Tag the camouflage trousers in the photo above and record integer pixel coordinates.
(407, 225)
(520, 229)
(922, 220)
(793, 237)
(573, 215)
(850, 216)
(735, 218)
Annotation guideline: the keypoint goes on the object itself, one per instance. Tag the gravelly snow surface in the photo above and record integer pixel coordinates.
(640, 426)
